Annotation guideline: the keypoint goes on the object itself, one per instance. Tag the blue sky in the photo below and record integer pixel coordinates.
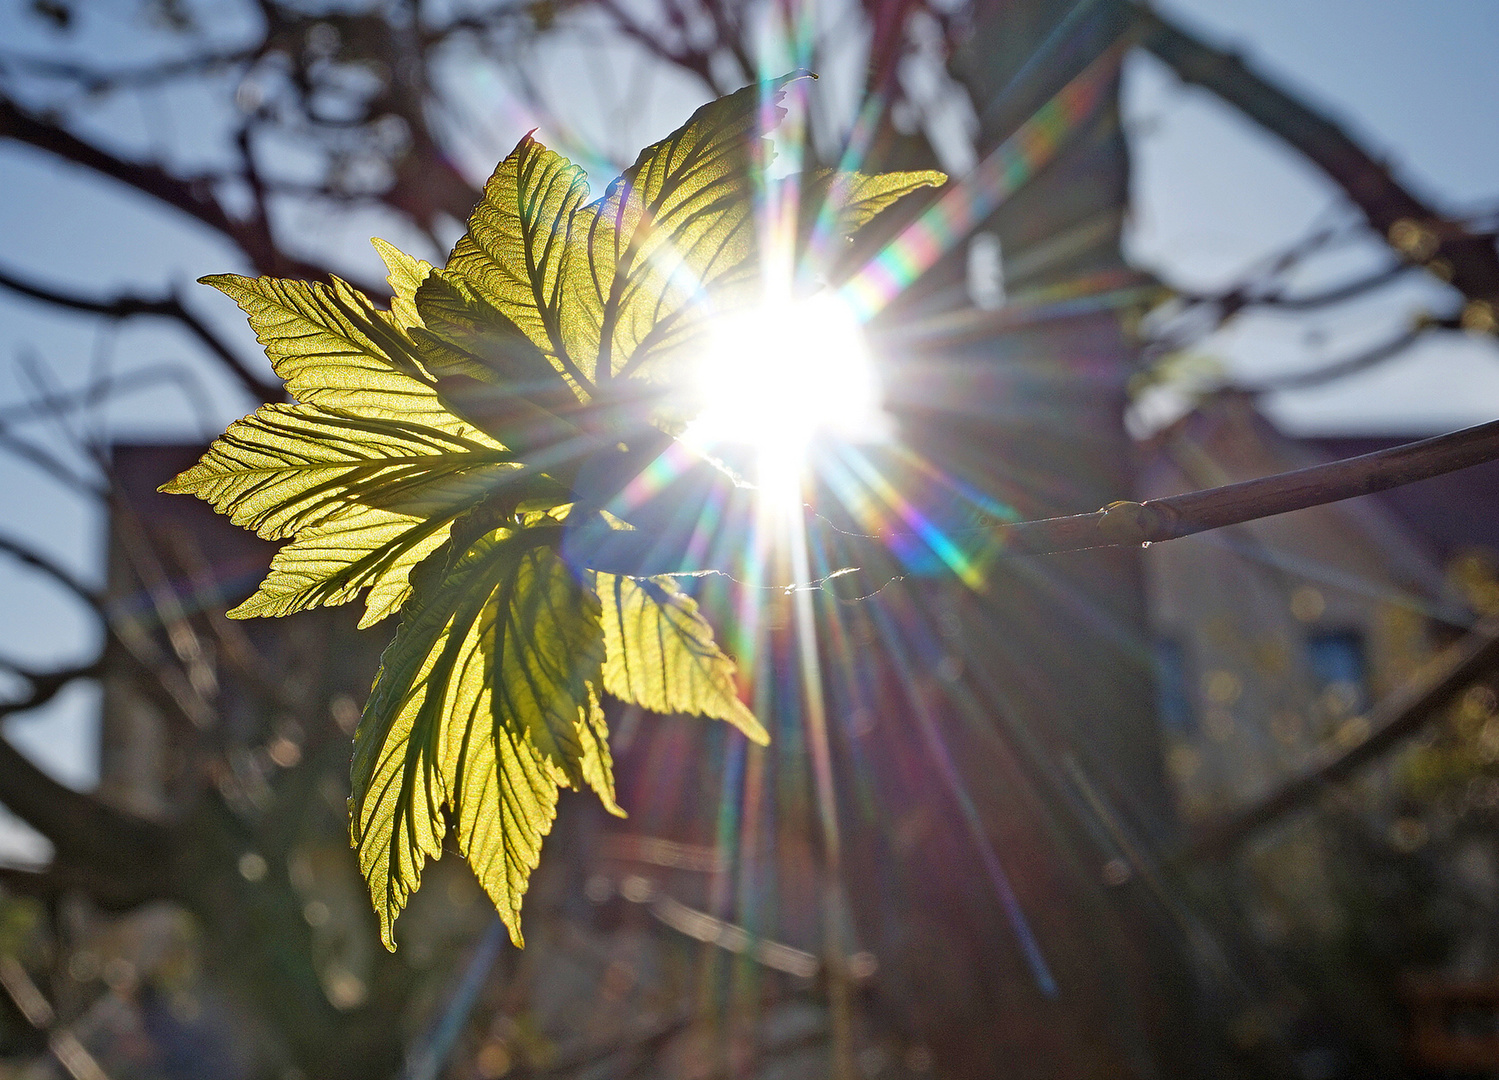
(1212, 195)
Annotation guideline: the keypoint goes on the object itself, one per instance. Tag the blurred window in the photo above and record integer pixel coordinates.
(1173, 688)
(1339, 672)
(986, 272)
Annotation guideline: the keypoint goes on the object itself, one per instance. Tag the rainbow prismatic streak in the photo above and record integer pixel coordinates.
(949, 221)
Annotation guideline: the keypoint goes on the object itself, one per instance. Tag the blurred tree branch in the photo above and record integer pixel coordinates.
(1401, 714)
(1348, 365)
(1229, 302)
(70, 583)
(167, 307)
(190, 196)
(1425, 237)
(192, 855)
(128, 858)
(94, 81)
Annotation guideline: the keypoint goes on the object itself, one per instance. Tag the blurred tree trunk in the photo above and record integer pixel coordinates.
(1037, 684)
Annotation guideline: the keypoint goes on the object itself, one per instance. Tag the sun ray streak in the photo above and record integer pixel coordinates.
(1030, 947)
(814, 703)
(949, 221)
(862, 477)
(821, 248)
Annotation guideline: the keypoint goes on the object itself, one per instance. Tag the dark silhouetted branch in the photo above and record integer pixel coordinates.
(1444, 246)
(72, 1055)
(1398, 716)
(1341, 368)
(688, 59)
(63, 877)
(138, 648)
(187, 195)
(169, 307)
(1232, 301)
(49, 464)
(96, 81)
(730, 35)
(124, 849)
(45, 685)
(57, 573)
(63, 402)
(1335, 294)
(1128, 523)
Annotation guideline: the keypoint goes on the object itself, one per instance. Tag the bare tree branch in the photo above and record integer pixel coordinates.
(95, 81)
(71, 1054)
(85, 832)
(63, 877)
(691, 60)
(1335, 294)
(1345, 366)
(97, 847)
(1128, 524)
(168, 307)
(191, 682)
(136, 645)
(50, 465)
(53, 570)
(45, 685)
(93, 393)
(1446, 247)
(731, 37)
(1232, 301)
(190, 196)
(477, 24)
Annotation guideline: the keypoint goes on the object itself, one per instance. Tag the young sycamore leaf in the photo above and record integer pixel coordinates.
(332, 564)
(844, 202)
(518, 254)
(334, 348)
(435, 454)
(671, 663)
(489, 651)
(405, 275)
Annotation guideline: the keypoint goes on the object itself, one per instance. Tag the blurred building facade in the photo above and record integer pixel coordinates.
(1275, 637)
(1275, 642)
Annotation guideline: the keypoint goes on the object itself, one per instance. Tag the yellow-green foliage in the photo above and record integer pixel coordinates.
(428, 463)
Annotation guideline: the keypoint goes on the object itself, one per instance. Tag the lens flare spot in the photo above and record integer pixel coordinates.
(776, 376)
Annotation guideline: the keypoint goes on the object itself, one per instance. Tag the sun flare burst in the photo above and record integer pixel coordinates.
(778, 375)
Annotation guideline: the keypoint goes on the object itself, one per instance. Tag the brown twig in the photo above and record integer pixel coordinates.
(1124, 523)
(1130, 523)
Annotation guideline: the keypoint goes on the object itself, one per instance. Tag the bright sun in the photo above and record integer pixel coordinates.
(777, 375)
